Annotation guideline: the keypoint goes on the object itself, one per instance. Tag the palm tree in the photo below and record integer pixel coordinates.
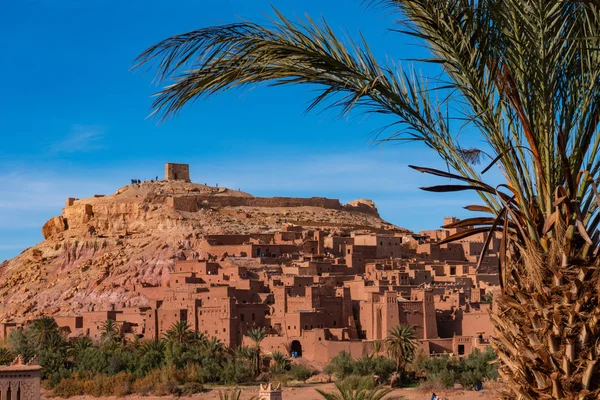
(521, 77)
(347, 392)
(281, 363)
(212, 346)
(400, 344)
(151, 346)
(42, 331)
(257, 335)
(377, 347)
(232, 394)
(110, 331)
(245, 352)
(6, 356)
(78, 345)
(180, 333)
(198, 337)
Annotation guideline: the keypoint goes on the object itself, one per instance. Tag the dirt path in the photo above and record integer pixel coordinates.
(308, 393)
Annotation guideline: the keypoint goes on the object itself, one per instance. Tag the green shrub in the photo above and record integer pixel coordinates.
(340, 366)
(211, 370)
(19, 343)
(380, 366)
(237, 372)
(343, 365)
(469, 371)
(300, 372)
(441, 379)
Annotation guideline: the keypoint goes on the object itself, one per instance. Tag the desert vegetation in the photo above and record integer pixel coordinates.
(184, 362)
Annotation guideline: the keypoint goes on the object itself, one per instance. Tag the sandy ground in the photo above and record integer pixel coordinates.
(308, 393)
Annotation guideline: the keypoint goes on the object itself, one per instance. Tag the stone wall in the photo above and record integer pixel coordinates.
(183, 203)
(193, 203)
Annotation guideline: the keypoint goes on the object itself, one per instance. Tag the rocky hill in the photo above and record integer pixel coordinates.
(98, 248)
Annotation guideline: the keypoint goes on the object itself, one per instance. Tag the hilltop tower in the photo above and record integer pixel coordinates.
(177, 172)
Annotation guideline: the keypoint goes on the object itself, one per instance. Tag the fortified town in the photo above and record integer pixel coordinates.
(317, 291)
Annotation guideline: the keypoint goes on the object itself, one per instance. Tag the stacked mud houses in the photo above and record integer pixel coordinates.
(316, 291)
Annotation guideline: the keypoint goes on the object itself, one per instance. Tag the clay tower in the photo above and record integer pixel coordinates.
(177, 172)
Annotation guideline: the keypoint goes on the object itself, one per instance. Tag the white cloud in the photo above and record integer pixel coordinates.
(81, 139)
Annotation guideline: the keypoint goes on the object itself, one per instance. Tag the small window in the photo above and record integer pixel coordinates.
(242, 317)
(461, 349)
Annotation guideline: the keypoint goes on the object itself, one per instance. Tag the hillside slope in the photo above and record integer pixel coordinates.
(98, 248)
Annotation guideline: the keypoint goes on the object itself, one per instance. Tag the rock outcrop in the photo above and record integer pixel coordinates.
(53, 226)
(365, 206)
(99, 248)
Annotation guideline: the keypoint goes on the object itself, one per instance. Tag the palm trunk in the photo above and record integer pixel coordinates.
(258, 360)
(548, 339)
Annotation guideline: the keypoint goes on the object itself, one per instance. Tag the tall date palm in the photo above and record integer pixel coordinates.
(400, 344)
(523, 76)
(257, 335)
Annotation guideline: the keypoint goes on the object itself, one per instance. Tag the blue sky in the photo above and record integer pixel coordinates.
(73, 116)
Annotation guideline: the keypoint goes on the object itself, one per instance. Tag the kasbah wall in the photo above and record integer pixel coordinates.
(314, 292)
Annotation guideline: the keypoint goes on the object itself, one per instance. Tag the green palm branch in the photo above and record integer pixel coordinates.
(245, 352)
(347, 392)
(6, 356)
(257, 335)
(232, 394)
(180, 332)
(42, 331)
(281, 362)
(151, 346)
(400, 344)
(78, 345)
(213, 346)
(377, 347)
(523, 76)
(110, 331)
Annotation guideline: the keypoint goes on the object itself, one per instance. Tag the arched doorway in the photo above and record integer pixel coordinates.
(296, 349)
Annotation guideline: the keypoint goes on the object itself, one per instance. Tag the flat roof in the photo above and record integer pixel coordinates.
(13, 368)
